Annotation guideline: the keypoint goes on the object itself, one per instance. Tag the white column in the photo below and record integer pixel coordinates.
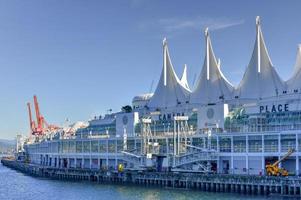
(116, 159)
(232, 150)
(297, 164)
(247, 163)
(69, 162)
(297, 155)
(218, 160)
(217, 144)
(262, 155)
(90, 162)
(174, 144)
(247, 153)
(262, 165)
(178, 136)
(232, 163)
(107, 155)
(279, 143)
(297, 144)
(167, 145)
(90, 144)
(279, 150)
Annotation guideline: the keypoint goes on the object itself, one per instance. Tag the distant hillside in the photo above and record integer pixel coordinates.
(6, 145)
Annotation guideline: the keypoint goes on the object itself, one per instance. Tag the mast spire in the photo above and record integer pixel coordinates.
(207, 51)
(164, 60)
(258, 43)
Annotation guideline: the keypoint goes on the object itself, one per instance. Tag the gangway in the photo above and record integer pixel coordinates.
(132, 159)
(197, 160)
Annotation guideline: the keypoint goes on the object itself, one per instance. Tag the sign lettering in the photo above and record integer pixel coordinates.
(274, 108)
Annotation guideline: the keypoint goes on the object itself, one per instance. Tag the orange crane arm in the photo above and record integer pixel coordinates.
(31, 122)
(41, 126)
(290, 152)
(38, 114)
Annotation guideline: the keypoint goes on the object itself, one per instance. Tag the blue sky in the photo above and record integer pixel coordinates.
(83, 57)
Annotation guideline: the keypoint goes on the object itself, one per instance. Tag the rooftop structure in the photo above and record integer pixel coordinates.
(260, 79)
(170, 91)
(211, 86)
(184, 80)
(294, 83)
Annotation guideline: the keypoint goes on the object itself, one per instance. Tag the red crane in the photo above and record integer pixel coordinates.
(41, 126)
(40, 118)
(31, 121)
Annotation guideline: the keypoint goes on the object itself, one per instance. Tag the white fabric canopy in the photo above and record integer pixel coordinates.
(184, 80)
(260, 79)
(169, 91)
(211, 86)
(294, 83)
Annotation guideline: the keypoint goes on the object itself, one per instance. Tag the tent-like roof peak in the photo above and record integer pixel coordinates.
(211, 86)
(294, 83)
(184, 80)
(260, 79)
(169, 91)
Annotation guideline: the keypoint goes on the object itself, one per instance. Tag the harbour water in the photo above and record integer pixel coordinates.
(15, 185)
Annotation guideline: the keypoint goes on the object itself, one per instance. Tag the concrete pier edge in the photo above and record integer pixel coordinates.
(241, 184)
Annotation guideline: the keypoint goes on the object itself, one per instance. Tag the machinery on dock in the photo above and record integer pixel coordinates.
(275, 170)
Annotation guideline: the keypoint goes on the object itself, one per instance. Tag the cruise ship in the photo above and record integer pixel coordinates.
(215, 127)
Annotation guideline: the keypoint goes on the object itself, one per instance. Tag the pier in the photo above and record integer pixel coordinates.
(249, 185)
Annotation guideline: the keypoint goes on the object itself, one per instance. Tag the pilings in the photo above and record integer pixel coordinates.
(251, 185)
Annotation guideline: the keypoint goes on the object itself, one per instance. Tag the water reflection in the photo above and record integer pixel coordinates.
(15, 185)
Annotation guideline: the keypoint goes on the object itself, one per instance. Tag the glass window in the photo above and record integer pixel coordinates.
(130, 145)
(239, 144)
(271, 143)
(138, 145)
(119, 145)
(103, 146)
(61, 147)
(72, 146)
(225, 144)
(288, 142)
(255, 143)
(79, 146)
(111, 146)
(94, 146)
(86, 146)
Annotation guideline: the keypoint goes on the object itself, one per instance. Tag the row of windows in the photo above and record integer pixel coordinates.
(225, 143)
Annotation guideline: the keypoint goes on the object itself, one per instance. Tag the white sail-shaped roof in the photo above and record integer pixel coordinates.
(294, 83)
(184, 80)
(260, 79)
(211, 86)
(169, 91)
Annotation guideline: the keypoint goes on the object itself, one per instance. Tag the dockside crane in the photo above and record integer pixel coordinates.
(40, 118)
(32, 123)
(274, 170)
(39, 127)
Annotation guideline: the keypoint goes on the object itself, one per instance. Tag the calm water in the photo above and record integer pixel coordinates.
(17, 186)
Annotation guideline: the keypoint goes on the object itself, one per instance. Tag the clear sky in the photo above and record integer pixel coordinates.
(82, 57)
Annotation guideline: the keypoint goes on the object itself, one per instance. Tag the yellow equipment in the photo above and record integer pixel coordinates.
(120, 168)
(274, 170)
